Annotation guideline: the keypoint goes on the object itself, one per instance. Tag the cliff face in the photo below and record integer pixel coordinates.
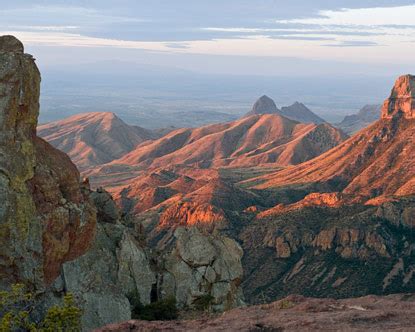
(45, 217)
(330, 251)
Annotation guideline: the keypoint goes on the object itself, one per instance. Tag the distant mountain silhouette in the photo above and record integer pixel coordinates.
(297, 111)
(264, 105)
(365, 117)
(251, 141)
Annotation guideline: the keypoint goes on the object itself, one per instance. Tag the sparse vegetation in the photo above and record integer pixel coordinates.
(164, 309)
(204, 302)
(286, 304)
(17, 305)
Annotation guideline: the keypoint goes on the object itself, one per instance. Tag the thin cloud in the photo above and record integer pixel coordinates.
(377, 16)
(42, 28)
(177, 45)
(353, 43)
(304, 38)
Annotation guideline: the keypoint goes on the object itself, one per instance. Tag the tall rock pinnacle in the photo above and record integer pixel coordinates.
(402, 99)
(46, 216)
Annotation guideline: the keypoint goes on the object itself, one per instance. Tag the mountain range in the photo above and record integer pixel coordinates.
(367, 164)
(215, 217)
(95, 138)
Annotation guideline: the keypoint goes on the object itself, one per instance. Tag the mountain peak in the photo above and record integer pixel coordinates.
(299, 112)
(402, 99)
(264, 105)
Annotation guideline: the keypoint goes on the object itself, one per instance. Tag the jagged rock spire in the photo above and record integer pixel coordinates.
(402, 99)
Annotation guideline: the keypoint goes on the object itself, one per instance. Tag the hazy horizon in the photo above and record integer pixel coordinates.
(213, 55)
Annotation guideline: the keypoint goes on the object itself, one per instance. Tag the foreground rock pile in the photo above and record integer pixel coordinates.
(120, 267)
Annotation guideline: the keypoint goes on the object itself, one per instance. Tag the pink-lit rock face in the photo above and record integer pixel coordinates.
(401, 99)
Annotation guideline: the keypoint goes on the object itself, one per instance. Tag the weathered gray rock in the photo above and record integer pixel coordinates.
(107, 209)
(11, 44)
(103, 279)
(134, 272)
(202, 265)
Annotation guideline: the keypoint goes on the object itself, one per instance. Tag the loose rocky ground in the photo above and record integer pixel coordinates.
(296, 313)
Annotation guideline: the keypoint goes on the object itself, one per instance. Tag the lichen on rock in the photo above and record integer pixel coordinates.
(45, 217)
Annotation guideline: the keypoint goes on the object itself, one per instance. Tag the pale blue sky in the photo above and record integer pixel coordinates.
(222, 36)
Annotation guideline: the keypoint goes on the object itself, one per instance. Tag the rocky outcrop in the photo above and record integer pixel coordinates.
(191, 214)
(103, 280)
(120, 269)
(107, 210)
(401, 99)
(46, 217)
(347, 242)
(330, 251)
(203, 265)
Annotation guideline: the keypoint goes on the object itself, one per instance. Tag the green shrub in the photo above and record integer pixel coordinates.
(286, 304)
(63, 318)
(17, 305)
(15, 308)
(204, 302)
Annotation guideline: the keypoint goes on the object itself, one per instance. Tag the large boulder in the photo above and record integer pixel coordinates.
(115, 269)
(203, 266)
